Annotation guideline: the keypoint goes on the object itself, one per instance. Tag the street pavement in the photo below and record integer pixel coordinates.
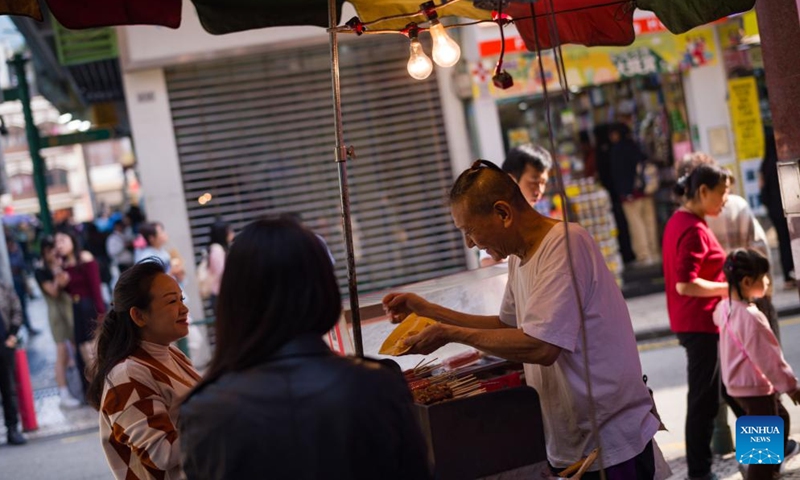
(66, 445)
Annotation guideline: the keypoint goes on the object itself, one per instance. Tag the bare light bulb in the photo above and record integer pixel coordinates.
(446, 51)
(419, 65)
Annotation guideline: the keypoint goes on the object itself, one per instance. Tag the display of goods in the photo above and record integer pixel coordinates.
(444, 387)
(432, 394)
(462, 359)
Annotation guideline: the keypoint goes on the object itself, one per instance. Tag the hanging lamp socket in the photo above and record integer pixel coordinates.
(503, 80)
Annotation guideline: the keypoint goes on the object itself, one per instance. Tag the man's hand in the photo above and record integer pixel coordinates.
(429, 339)
(795, 396)
(401, 305)
(11, 341)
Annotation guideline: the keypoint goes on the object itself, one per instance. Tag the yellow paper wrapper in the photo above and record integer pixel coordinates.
(395, 343)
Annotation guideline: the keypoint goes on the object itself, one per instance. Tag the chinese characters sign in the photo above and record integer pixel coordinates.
(746, 118)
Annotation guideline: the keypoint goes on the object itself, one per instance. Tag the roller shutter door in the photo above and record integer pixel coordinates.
(256, 132)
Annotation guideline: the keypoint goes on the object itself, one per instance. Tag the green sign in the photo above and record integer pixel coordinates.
(94, 135)
(76, 47)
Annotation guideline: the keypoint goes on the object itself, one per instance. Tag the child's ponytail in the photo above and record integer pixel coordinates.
(743, 263)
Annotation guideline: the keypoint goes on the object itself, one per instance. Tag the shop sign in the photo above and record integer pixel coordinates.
(655, 53)
(640, 61)
(748, 129)
(648, 25)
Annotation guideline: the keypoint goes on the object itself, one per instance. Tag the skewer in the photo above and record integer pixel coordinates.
(467, 390)
(426, 364)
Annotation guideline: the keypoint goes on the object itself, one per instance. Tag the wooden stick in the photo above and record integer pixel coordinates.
(586, 464)
(582, 464)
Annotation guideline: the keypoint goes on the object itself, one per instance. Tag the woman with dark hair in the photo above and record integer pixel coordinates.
(156, 244)
(221, 236)
(695, 283)
(138, 379)
(276, 402)
(84, 288)
(53, 280)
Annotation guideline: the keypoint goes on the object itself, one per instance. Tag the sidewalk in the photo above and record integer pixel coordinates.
(41, 350)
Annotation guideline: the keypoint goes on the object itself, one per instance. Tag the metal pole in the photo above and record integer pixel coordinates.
(344, 190)
(39, 167)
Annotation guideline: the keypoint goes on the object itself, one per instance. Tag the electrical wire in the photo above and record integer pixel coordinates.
(500, 24)
(347, 29)
(564, 211)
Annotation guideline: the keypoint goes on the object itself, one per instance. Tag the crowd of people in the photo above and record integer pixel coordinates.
(273, 390)
(76, 271)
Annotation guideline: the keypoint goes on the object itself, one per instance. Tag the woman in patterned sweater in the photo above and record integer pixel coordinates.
(138, 379)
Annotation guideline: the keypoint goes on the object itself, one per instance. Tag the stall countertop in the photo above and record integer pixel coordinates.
(369, 302)
(478, 292)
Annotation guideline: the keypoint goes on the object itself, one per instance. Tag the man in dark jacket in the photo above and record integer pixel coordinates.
(11, 321)
(627, 168)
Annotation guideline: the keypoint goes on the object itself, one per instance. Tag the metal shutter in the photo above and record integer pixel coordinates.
(256, 132)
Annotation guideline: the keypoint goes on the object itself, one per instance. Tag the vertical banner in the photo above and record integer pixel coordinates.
(748, 130)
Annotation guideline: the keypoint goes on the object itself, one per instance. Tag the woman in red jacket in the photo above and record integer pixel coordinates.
(693, 260)
(84, 288)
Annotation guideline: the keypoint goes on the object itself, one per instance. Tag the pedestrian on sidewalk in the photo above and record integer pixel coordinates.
(53, 281)
(221, 235)
(138, 378)
(84, 287)
(276, 402)
(19, 270)
(737, 227)
(771, 198)
(694, 284)
(754, 369)
(627, 167)
(10, 323)
(155, 244)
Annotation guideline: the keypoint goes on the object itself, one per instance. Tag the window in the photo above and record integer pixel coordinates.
(22, 186)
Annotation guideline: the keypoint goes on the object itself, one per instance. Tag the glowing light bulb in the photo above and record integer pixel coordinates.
(419, 65)
(446, 51)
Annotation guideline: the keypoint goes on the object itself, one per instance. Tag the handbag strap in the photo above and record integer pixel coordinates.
(736, 339)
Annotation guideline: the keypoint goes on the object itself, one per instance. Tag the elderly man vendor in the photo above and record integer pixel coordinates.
(540, 325)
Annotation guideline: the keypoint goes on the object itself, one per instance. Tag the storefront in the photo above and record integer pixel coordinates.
(245, 120)
(642, 86)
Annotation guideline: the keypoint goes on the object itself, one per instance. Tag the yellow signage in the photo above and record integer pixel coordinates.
(651, 53)
(748, 129)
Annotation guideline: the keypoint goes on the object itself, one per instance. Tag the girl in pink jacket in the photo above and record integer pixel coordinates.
(754, 371)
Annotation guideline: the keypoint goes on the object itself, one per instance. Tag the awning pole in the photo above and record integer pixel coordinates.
(341, 162)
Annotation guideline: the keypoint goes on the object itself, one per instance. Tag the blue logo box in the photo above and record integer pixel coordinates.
(759, 440)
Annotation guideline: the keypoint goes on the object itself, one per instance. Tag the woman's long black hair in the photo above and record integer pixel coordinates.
(278, 284)
(117, 335)
(218, 233)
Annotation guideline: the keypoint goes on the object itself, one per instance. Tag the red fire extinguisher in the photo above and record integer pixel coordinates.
(27, 411)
